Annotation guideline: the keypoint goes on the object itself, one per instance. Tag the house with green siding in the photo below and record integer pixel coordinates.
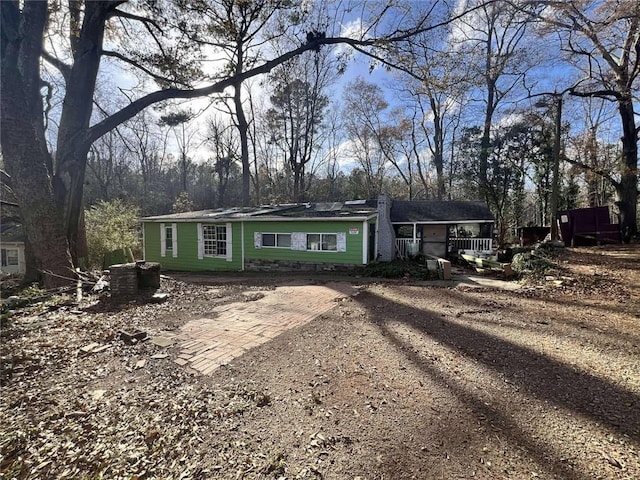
(315, 236)
(319, 236)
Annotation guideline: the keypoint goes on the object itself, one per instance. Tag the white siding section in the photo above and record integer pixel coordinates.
(200, 243)
(163, 241)
(298, 241)
(174, 228)
(341, 239)
(229, 242)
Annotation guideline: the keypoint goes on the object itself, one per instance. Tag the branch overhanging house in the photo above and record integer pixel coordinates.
(315, 236)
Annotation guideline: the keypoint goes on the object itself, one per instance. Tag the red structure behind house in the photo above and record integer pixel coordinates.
(588, 226)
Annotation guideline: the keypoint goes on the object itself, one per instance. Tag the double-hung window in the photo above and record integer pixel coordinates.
(168, 239)
(214, 238)
(322, 241)
(168, 235)
(9, 257)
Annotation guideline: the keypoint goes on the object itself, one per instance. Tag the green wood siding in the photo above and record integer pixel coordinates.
(187, 239)
(187, 258)
(352, 255)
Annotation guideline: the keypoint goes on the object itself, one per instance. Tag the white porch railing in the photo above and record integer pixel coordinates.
(407, 247)
(475, 244)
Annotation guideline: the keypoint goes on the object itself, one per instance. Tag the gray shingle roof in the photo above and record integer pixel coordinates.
(300, 210)
(11, 232)
(419, 211)
(424, 211)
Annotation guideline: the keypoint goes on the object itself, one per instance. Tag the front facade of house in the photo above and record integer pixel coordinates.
(322, 236)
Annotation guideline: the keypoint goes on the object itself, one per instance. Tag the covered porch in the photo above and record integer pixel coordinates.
(439, 228)
(441, 240)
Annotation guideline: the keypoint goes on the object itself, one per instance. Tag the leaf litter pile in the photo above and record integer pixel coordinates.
(404, 380)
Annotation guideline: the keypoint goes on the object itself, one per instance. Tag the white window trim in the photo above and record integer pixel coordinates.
(163, 241)
(262, 245)
(229, 242)
(174, 237)
(341, 242)
(200, 242)
(174, 240)
(228, 256)
(6, 256)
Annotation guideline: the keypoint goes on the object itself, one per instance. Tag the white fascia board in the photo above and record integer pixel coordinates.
(315, 219)
(254, 219)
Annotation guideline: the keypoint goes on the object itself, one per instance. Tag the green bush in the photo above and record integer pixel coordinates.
(415, 269)
(110, 226)
(526, 262)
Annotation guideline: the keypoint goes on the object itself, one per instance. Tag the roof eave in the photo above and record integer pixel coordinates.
(358, 218)
(441, 222)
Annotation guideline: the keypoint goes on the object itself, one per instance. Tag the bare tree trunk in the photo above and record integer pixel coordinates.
(438, 149)
(243, 128)
(68, 188)
(73, 145)
(26, 160)
(485, 142)
(627, 189)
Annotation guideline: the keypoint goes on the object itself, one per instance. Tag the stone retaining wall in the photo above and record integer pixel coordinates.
(289, 266)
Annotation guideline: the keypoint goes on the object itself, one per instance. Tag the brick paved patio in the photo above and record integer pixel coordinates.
(207, 343)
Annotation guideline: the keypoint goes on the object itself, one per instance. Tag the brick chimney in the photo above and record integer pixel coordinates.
(386, 234)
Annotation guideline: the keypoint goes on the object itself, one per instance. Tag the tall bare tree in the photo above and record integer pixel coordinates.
(298, 106)
(492, 40)
(363, 111)
(178, 122)
(602, 39)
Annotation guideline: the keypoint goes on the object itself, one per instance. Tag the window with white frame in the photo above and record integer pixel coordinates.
(214, 238)
(9, 257)
(168, 238)
(322, 241)
(276, 240)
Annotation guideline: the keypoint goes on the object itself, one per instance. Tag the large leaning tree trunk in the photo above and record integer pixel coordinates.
(24, 147)
(73, 146)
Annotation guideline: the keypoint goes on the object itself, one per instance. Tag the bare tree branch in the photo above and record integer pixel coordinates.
(135, 107)
(63, 68)
(597, 171)
(605, 93)
(133, 63)
(130, 16)
(48, 105)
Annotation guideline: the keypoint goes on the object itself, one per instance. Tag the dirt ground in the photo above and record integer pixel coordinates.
(403, 380)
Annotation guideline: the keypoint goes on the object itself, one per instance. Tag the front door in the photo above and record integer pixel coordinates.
(434, 240)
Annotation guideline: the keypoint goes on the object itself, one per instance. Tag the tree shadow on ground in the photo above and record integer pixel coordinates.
(573, 320)
(547, 379)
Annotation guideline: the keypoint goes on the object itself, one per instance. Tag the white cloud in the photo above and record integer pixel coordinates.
(354, 29)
